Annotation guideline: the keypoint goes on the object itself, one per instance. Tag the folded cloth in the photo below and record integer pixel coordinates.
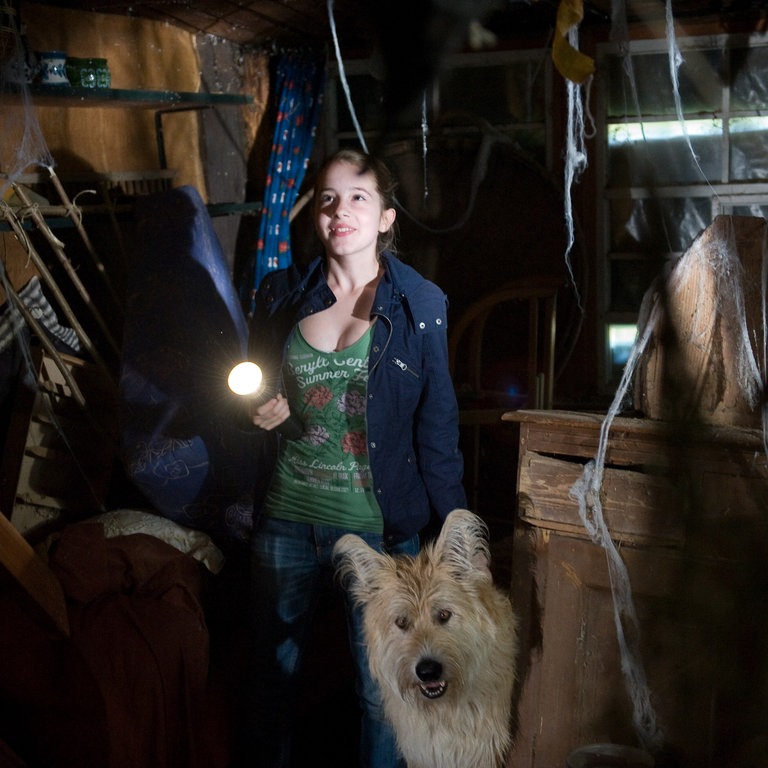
(34, 299)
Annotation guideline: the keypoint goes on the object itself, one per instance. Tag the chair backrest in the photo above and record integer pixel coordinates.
(467, 335)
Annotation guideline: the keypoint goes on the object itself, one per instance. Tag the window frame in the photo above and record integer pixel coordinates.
(723, 194)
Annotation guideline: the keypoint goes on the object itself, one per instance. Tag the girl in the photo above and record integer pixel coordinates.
(360, 340)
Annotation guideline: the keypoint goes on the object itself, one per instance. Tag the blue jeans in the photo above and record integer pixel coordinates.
(291, 566)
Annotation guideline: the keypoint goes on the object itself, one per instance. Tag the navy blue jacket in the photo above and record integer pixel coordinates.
(412, 413)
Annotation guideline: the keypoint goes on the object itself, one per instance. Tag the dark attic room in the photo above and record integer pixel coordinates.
(502, 256)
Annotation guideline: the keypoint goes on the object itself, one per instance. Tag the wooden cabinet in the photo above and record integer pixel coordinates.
(688, 511)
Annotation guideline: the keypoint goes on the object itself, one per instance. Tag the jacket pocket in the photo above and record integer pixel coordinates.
(406, 367)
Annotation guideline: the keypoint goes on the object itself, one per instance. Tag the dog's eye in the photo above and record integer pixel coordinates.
(444, 615)
(401, 622)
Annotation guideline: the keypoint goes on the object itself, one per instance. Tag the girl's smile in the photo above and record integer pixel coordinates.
(341, 230)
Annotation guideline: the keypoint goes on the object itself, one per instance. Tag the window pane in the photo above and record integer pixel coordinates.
(621, 339)
(658, 225)
(700, 84)
(749, 89)
(664, 156)
(749, 148)
(753, 209)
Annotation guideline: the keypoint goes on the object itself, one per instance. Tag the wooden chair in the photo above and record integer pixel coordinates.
(540, 293)
(467, 343)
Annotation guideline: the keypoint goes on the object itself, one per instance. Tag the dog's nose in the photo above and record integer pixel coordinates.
(429, 670)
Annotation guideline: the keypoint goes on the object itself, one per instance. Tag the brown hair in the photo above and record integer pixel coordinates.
(385, 186)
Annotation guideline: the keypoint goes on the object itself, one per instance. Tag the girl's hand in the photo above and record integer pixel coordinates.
(272, 413)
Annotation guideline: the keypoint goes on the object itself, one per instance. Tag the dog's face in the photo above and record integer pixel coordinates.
(434, 623)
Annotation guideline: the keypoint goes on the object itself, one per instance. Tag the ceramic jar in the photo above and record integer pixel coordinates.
(103, 76)
(53, 68)
(88, 73)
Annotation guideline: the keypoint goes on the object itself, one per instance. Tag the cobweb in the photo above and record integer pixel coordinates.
(586, 491)
(752, 381)
(23, 145)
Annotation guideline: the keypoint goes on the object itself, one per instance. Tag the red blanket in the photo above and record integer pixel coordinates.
(128, 688)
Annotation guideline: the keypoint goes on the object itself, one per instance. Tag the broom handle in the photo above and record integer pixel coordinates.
(50, 349)
(58, 249)
(72, 213)
(18, 230)
(47, 394)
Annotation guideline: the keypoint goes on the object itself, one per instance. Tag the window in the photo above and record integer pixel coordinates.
(657, 194)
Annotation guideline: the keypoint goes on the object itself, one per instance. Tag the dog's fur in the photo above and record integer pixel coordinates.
(442, 644)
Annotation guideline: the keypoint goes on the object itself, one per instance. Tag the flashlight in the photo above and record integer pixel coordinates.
(246, 380)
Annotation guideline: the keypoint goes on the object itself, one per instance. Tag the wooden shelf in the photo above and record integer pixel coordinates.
(161, 102)
(56, 218)
(67, 96)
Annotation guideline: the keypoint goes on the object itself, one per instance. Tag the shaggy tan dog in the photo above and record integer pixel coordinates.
(442, 642)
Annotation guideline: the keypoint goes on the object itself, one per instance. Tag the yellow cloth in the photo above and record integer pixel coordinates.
(570, 62)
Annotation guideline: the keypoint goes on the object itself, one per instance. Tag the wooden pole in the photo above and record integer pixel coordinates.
(58, 248)
(76, 218)
(33, 576)
(45, 274)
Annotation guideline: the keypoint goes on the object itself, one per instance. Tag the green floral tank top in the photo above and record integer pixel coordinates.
(325, 476)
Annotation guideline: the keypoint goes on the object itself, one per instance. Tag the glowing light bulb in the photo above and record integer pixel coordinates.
(245, 379)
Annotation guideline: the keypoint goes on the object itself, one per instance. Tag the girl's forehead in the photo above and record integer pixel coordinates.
(342, 173)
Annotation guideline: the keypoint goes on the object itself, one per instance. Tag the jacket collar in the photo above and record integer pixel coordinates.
(391, 290)
(400, 284)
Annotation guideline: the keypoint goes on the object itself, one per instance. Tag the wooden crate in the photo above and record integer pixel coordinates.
(688, 514)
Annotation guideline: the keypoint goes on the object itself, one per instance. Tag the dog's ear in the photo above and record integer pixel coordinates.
(463, 545)
(357, 565)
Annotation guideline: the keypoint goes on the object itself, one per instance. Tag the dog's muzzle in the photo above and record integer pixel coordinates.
(430, 674)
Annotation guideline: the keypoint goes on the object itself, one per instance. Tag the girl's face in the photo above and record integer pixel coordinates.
(348, 212)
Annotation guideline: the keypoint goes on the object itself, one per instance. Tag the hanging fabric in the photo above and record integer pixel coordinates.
(299, 89)
(569, 61)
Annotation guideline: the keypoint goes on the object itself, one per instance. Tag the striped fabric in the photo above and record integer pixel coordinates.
(34, 299)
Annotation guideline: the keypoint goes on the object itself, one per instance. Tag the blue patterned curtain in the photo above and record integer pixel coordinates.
(299, 88)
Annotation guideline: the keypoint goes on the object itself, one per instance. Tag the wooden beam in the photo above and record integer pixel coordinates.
(32, 575)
